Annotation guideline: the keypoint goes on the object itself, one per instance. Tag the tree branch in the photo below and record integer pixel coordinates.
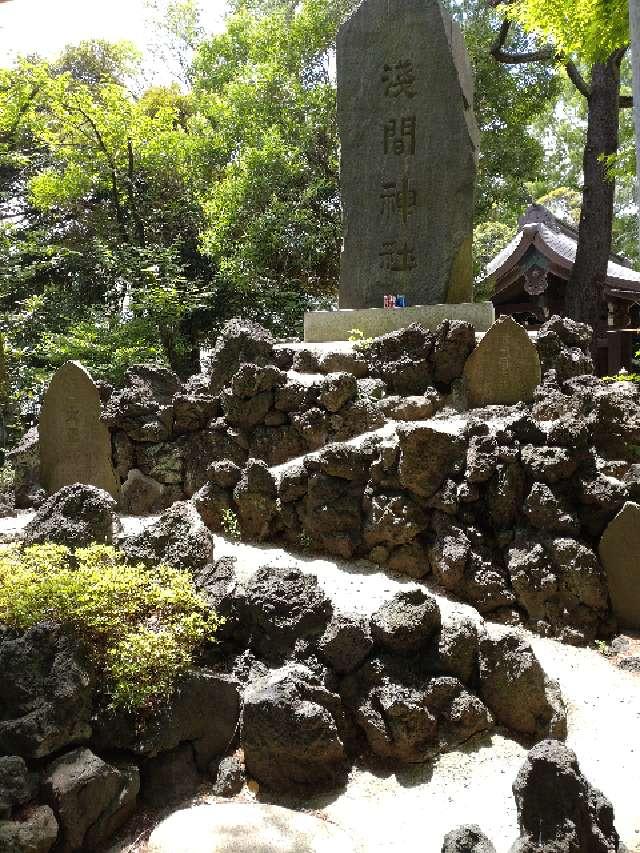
(544, 54)
(139, 224)
(115, 198)
(577, 79)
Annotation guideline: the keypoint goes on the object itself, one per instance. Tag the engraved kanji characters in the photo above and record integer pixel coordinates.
(397, 199)
(397, 256)
(399, 79)
(400, 135)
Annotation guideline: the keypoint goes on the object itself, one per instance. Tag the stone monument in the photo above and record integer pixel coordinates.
(504, 368)
(75, 446)
(408, 155)
(409, 145)
(619, 550)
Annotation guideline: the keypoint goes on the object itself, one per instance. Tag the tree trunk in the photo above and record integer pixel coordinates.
(634, 25)
(585, 291)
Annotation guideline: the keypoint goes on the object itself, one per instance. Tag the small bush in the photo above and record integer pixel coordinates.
(230, 524)
(7, 478)
(143, 626)
(357, 338)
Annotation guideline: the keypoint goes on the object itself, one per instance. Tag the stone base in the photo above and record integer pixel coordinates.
(320, 326)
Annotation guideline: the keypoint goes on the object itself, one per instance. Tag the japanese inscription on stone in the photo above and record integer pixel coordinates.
(408, 147)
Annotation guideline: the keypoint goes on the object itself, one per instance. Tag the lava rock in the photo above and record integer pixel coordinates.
(406, 714)
(516, 689)
(346, 643)
(224, 474)
(143, 408)
(428, 455)
(240, 342)
(558, 810)
(255, 497)
(170, 776)
(291, 732)
(548, 510)
(24, 458)
(455, 340)
(16, 784)
(46, 687)
(141, 495)
(549, 464)
(344, 362)
(203, 711)
(564, 346)
(457, 651)
(402, 360)
(281, 605)
(34, 833)
(91, 798)
(229, 777)
(332, 514)
(393, 519)
(467, 839)
(178, 538)
(214, 505)
(192, 412)
(337, 390)
(406, 622)
(75, 516)
(482, 458)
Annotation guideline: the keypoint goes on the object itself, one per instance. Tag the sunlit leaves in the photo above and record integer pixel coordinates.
(589, 29)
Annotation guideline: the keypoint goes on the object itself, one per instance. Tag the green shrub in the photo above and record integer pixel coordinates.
(230, 524)
(357, 338)
(7, 478)
(143, 626)
(625, 376)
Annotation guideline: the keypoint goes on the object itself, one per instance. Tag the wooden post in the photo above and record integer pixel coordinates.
(614, 352)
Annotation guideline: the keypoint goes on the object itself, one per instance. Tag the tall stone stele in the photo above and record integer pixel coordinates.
(408, 155)
(75, 445)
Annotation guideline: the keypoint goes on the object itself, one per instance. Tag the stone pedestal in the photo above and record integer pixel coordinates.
(321, 326)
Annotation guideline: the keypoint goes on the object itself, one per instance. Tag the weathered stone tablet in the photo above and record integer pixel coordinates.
(408, 155)
(620, 555)
(75, 446)
(504, 368)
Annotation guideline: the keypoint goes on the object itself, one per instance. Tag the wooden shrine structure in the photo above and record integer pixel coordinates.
(529, 277)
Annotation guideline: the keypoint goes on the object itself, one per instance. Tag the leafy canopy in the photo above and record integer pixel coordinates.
(590, 29)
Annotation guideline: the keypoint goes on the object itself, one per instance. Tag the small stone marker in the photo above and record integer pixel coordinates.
(408, 155)
(620, 555)
(504, 368)
(75, 446)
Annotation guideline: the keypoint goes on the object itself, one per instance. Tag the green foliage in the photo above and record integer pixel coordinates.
(591, 29)
(273, 217)
(142, 626)
(565, 203)
(357, 338)
(7, 478)
(230, 524)
(625, 376)
(489, 238)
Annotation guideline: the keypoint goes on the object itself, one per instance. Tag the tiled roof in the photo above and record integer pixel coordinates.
(556, 241)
